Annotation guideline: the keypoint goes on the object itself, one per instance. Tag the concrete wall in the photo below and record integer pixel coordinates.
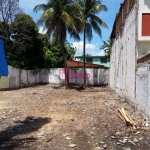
(22, 78)
(123, 59)
(4, 82)
(143, 89)
(127, 78)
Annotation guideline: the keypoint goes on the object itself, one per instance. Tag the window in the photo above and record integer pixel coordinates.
(89, 60)
(103, 60)
(146, 24)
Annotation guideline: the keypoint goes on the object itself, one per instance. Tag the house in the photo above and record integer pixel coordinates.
(130, 54)
(4, 81)
(78, 64)
(99, 60)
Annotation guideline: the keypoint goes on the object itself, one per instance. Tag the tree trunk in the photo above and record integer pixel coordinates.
(62, 40)
(66, 70)
(84, 71)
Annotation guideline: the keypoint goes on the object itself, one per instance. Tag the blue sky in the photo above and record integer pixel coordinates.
(93, 47)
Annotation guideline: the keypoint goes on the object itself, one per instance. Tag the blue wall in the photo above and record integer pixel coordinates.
(3, 62)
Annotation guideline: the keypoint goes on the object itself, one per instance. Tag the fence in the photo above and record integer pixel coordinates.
(22, 78)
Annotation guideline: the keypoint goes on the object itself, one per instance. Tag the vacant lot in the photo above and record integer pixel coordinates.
(53, 118)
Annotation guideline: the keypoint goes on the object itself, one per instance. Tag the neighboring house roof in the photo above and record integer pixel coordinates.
(144, 59)
(78, 64)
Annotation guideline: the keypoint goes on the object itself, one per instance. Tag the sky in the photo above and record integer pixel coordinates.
(92, 48)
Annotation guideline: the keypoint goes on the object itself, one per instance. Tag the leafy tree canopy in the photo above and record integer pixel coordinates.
(107, 47)
(26, 48)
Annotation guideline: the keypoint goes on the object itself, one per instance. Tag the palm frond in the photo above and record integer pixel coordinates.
(96, 28)
(99, 21)
(98, 9)
(46, 16)
(67, 19)
(42, 7)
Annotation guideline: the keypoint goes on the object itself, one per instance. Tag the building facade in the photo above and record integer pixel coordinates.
(99, 60)
(131, 35)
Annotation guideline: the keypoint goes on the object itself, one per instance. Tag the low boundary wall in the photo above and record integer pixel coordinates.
(19, 78)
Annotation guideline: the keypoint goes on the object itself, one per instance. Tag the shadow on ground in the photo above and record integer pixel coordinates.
(8, 139)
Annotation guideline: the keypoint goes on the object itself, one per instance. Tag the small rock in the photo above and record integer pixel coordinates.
(72, 145)
(21, 124)
(101, 142)
(118, 133)
(49, 132)
(140, 138)
(136, 140)
(98, 148)
(65, 134)
(138, 132)
(132, 143)
(118, 143)
(128, 148)
(71, 103)
(31, 121)
(74, 123)
(105, 146)
(93, 128)
(68, 138)
(92, 133)
(113, 137)
(39, 135)
(35, 118)
(3, 117)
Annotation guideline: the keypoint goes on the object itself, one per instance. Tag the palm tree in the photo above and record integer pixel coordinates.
(58, 18)
(89, 11)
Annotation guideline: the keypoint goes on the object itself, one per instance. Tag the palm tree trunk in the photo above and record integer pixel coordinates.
(66, 69)
(84, 71)
(64, 56)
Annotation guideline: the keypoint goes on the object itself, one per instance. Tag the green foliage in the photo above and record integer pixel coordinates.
(4, 29)
(26, 48)
(88, 14)
(29, 49)
(54, 55)
(107, 48)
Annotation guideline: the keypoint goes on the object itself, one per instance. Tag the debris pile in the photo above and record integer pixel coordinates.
(126, 118)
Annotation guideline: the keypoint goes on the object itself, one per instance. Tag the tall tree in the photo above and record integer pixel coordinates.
(89, 11)
(8, 10)
(107, 48)
(26, 47)
(58, 18)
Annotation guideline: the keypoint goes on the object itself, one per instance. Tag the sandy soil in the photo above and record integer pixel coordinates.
(53, 118)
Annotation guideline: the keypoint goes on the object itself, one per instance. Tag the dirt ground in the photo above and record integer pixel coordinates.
(53, 118)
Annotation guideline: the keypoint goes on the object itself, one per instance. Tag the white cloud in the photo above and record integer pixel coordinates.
(41, 30)
(90, 48)
(101, 53)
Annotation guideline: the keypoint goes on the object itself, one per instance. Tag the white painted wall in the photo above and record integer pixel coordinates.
(126, 77)
(23, 78)
(123, 58)
(23, 81)
(14, 77)
(143, 89)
